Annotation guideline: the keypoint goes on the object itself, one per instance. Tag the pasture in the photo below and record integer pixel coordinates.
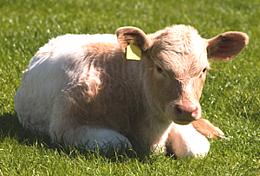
(230, 100)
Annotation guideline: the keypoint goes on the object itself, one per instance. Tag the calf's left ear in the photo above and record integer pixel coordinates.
(129, 34)
(226, 45)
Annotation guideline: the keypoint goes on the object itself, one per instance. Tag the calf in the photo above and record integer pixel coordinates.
(129, 90)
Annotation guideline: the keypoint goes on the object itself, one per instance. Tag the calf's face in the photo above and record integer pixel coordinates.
(175, 65)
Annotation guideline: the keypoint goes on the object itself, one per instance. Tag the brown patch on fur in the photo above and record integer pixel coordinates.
(106, 94)
(93, 73)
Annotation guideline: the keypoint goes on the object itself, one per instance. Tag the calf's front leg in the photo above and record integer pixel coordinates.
(182, 141)
(186, 141)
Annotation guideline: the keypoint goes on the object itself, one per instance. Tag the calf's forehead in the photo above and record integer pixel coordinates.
(182, 49)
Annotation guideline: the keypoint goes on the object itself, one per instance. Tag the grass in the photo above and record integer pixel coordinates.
(231, 98)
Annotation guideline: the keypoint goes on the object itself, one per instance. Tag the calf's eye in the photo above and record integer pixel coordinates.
(159, 69)
(203, 72)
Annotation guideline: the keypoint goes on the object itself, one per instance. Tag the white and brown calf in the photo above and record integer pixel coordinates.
(82, 91)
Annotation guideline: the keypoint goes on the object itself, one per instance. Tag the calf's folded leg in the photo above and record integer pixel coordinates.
(92, 139)
(185, 140)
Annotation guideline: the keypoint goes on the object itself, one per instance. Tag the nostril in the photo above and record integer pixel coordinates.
(187, 109)
(178, 109)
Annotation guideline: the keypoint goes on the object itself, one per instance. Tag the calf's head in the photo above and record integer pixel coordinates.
(175, 63)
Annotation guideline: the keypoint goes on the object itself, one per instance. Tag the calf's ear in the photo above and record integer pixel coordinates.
(129, 34)
(226, 45)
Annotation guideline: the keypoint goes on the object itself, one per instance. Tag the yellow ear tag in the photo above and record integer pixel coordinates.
(133, 52)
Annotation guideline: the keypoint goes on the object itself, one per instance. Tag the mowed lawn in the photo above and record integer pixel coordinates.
(231, 97)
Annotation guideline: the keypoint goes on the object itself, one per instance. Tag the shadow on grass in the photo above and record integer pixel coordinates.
(11, 128)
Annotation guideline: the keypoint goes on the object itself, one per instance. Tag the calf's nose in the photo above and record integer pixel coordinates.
(187, 108)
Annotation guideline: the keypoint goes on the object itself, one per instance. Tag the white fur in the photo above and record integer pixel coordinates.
(45, 74)
(93, 139)
(189, 142)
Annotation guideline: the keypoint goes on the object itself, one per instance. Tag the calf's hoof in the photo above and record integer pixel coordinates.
(207, 129)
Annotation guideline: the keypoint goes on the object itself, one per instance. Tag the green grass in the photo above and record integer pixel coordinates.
(231, 98)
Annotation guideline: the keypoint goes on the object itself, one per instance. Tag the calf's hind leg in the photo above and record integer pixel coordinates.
(92, 139)
(66, 128)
